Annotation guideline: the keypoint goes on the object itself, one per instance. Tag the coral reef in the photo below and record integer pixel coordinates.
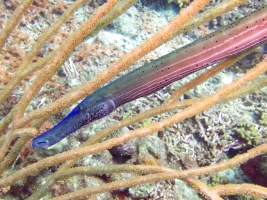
(248, 132)
(61, 51)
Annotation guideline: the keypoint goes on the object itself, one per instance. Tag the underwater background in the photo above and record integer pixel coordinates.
(227, 129)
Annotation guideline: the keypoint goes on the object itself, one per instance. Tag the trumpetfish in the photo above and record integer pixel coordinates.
(213, 48)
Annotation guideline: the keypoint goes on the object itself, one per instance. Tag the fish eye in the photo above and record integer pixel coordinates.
(80, 107)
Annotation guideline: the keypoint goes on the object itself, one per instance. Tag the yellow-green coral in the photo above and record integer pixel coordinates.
(218, 179)
(248, 132)
(263, 119)
(146, 122)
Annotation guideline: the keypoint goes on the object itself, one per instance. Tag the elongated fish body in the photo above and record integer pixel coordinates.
(224, 43)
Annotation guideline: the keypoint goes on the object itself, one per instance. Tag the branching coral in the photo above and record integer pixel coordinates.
(19, 163)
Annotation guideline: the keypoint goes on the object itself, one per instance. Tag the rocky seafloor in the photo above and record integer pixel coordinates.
(202, 140)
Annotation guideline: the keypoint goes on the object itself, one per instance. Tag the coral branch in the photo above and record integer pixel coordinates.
(62, 53)
(21, 73)
(13, 21)
(36, 83)
(242, 189)
(188, 112)
(257, 190)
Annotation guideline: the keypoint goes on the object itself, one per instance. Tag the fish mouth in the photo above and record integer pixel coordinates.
(41, 144)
